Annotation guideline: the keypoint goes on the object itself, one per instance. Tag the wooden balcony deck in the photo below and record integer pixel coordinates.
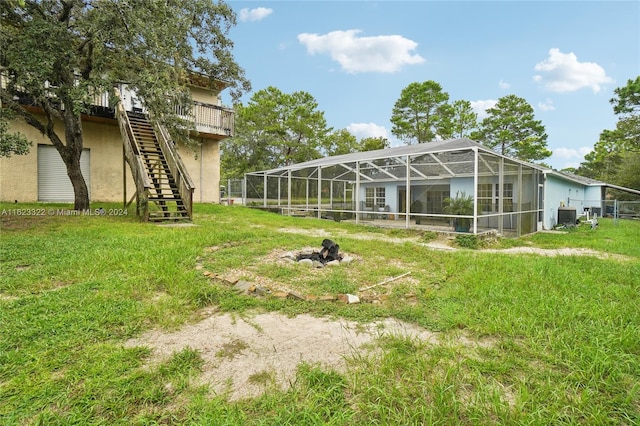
(210, 120)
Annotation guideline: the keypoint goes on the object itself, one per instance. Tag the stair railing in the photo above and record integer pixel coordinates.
(133, 157)
(177, 167)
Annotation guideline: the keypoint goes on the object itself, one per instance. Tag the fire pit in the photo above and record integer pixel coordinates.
(328, 253)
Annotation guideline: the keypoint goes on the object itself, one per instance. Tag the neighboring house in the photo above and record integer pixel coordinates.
(510, 196)
(41, 174)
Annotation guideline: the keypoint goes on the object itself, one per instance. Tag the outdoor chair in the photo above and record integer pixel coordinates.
(367, 212)
(387, 210)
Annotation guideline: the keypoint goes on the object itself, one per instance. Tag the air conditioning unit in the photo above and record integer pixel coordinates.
(567, 216)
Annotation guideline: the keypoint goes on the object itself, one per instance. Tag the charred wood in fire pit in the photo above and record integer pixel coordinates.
(328, 253)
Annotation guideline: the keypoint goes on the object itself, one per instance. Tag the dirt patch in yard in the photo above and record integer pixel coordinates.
(245, 355)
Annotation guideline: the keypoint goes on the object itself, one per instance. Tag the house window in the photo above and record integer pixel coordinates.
(485, 197)
(507, 197)
(435, 200)
(489, 196)
(374, 197)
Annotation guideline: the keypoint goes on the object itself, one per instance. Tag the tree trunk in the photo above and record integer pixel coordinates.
(80, 190)
(71, 156)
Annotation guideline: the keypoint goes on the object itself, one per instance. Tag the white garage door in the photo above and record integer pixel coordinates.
(53, 182)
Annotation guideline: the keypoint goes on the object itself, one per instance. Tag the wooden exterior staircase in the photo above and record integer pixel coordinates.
(164, 189)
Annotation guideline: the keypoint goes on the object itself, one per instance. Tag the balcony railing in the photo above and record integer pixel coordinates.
(212, 119)
(207, 118)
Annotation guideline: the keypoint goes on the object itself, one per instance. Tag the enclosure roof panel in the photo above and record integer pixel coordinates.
(400, 151)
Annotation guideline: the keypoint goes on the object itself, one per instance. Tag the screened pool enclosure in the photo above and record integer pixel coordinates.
(410, 186)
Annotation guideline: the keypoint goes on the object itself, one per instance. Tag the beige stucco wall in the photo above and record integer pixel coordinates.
(203, 164)
(18, 180)
(206, 96)
(19, 176)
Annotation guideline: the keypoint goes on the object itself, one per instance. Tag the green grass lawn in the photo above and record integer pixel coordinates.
(564, 331)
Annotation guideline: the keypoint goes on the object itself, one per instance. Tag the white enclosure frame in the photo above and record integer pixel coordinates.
(379, 185)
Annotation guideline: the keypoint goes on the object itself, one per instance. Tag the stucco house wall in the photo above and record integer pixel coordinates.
(564, 192)
(19, 174)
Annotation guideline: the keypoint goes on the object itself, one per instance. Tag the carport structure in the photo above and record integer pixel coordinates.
(379, 185)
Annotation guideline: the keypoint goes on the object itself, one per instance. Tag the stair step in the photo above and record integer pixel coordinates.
(165, 186)
(148, 142)
(167, 199)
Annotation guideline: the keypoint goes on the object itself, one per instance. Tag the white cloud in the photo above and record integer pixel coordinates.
(565, 153)
(562, 72)
(481, 107)
(504, 85)
(569, 157)
(572, 153)
(385, 53)
(257, 14)
(546, 105)
(584, 150)
(367, 130)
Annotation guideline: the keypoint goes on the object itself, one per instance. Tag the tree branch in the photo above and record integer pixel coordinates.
(30, 119)
(67, 6)
(88, 65)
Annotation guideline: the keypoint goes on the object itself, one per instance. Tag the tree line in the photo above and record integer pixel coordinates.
(275, 129)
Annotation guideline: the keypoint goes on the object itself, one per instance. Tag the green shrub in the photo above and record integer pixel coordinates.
(429, 236)
(468, 241)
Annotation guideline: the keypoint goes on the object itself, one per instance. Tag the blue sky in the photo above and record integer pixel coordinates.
(355, 57)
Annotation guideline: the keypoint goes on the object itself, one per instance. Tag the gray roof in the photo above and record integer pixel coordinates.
(591, 182)
(577, 178)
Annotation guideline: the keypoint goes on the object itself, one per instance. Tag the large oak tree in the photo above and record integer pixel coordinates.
(59, 53)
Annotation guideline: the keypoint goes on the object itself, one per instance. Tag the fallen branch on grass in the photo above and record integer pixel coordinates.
(388, 280)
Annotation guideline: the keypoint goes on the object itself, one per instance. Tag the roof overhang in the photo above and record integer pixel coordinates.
(622, 188)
